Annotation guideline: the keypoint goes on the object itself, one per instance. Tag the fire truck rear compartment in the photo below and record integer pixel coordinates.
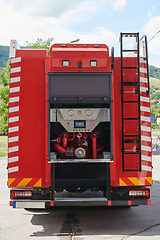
(80, 131)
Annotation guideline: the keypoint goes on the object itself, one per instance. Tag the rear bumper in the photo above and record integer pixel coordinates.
(42, 204)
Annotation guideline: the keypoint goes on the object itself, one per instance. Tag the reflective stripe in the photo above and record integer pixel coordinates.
(145, 119)
(13, 169)
(13, 149)
(15, 89)
(145, 109)
(146, 148)
(13, 139)
(145, 80)
(143, 89)
(25, 204)
(135, 181)
(144, 99)
(147, 129)
(142, 60)
(14, 70)
(15, 99)
(13, 159)
(146, 168)
(15, 79)
(143, 70)
(15, 60)
(13, 109)
(13, 129)
(24, 182)
(146, 158)
(13, 119)
(145, 138)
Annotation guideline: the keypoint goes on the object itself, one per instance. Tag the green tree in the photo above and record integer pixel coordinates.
(4, 95)
(40, 44)
(4, 82)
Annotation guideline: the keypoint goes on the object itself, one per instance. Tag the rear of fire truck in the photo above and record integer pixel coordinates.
(79, 130)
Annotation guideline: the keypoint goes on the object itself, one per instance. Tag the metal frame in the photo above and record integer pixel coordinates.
(100, 100)
(146, 58)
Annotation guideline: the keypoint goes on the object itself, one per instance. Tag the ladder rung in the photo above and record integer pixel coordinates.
(135, 91)
(131, 141)
(129, 34)
(130, 101)
(130, 83)
(131, 152)
(131, 135)
(130, 118)
(130, 50)
(130, 67)
(131, 170)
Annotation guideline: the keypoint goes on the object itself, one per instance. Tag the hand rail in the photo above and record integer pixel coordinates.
(145, 57)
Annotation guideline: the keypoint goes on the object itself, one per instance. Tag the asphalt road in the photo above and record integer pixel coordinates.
(81, 223)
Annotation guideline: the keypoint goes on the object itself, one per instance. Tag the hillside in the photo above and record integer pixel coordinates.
(4, 55)
(154, 72)
(154, 83)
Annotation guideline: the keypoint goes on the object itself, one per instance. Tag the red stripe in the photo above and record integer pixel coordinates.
(127, 181)
(14, 154)
(148, 154)
(142, 64)
(14, 94)
(32, 182)
(145, 143)
(16, 64)
(145, 104)
(143, 94)
(146, 124)
(16, 182)
(147, 134)
(142, 74)
(146, 163)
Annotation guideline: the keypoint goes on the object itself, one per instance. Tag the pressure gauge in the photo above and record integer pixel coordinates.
(70, 112)
(88, 112)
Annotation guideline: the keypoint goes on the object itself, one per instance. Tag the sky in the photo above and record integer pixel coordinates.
(91, 21)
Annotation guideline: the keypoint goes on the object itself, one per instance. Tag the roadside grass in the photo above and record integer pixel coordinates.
(3, 146)
(156, 129)
(154, 82)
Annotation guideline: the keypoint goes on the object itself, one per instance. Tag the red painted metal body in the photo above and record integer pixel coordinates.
(28, 119)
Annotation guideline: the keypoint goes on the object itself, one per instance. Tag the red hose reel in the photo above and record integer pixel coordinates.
(75, 145)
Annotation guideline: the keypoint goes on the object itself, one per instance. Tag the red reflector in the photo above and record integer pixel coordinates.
(11, 203)
(139, 193)
(21, 194)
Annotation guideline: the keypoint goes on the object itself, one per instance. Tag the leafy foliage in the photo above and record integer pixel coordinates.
(40, 44)
(4, 55)
(155, 96)
(4, 95)
(154, 125)
(154, 72)
(5, 76)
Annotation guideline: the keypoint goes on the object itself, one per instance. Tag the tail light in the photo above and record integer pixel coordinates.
(21, 194)
(139, 193)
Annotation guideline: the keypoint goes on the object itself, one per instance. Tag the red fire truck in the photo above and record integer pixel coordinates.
(79, 123)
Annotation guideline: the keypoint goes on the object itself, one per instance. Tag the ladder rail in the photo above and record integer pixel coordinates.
(123, 84)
